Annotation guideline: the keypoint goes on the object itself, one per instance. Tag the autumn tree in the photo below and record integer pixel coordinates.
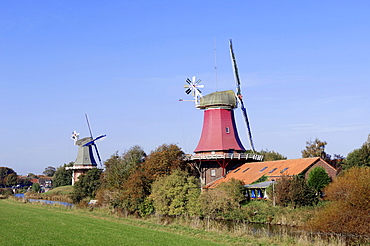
(163, 160)
(314, 148)
(62, 176)
(160, 162)
(318, 178)
(295, 192)
(118, 168)
(176, 194)
(8, 177)
(348, 212)
(358, 157)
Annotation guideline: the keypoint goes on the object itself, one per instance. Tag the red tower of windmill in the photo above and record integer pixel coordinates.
(219, 149)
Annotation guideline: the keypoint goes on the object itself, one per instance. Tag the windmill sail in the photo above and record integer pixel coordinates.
(94, 140)
(240, 97)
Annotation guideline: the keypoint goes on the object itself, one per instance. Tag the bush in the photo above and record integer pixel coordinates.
(348, 212)
(175, 194)
(224, 201)
(36, 187)
(318, 178)
(294, 191)
(6, 192)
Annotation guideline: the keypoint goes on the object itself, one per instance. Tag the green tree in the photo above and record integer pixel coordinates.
(49, 171)
(175, 194)
(318, 178)
(314, 148)
(224, 201)
(160, 162)
(62, 176)
(271, 155)
(118, 168)
(32, 176)
(36, 187)
(358, 157)
(87, 185)
(348, 212)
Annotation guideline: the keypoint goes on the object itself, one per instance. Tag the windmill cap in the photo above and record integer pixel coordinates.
(218, 99)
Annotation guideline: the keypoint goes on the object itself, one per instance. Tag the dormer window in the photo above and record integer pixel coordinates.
(227, 129)
(236, 170)
(284, 169)
(263, 169)
(272, 170)
(246, 170)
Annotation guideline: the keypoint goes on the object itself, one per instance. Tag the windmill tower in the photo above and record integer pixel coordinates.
(220, 149)
(85, 156)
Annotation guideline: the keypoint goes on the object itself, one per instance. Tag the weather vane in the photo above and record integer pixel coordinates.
(75, 136)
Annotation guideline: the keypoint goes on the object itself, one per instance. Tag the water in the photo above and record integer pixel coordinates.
(45, 201)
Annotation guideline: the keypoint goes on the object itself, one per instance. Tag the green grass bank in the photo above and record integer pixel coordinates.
(35, 224)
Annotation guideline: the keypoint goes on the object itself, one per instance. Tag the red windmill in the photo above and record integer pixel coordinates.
(220, 149)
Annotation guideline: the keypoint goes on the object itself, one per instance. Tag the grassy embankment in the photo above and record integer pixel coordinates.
(34, 224)
(61, 194)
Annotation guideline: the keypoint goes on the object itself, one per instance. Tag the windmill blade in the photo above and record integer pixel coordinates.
(246, 120)
(188, 81)
(188, 91)
(88, 124)
(94, 140)
(97, 153)
(240, 97)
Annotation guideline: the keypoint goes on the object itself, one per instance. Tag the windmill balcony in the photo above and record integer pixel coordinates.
(238, 156)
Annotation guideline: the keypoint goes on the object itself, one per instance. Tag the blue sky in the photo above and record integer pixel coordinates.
(304, 68)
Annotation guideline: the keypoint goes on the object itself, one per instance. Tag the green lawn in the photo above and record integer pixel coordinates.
(25, 224)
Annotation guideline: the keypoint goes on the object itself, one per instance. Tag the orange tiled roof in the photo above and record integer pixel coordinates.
(250, 172)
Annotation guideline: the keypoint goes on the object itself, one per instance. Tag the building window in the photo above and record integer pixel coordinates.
(227, 129)
(284, 169)
(236, 170)
(272, 170)
(245, 170)
(213, 173)
(263, 169)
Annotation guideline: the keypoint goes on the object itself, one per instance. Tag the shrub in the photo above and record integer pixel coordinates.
(318, 178)
(348, 211)
(175, 194)
(224, 201)
(294, 191)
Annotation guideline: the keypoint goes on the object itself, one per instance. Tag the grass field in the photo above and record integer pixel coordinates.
(35, 224)
(26, 224)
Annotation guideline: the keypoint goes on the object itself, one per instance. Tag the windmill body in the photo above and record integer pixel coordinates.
(219, 133)
(85, 160)
(220, 149)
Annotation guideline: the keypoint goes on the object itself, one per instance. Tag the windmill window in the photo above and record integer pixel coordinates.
(263, 169)
(273, 170)
(213, 173)
(246, 170)
(236, 170)
(284, 169)
(227, 129)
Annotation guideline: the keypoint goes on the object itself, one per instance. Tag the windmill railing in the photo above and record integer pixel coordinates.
(238, 156)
